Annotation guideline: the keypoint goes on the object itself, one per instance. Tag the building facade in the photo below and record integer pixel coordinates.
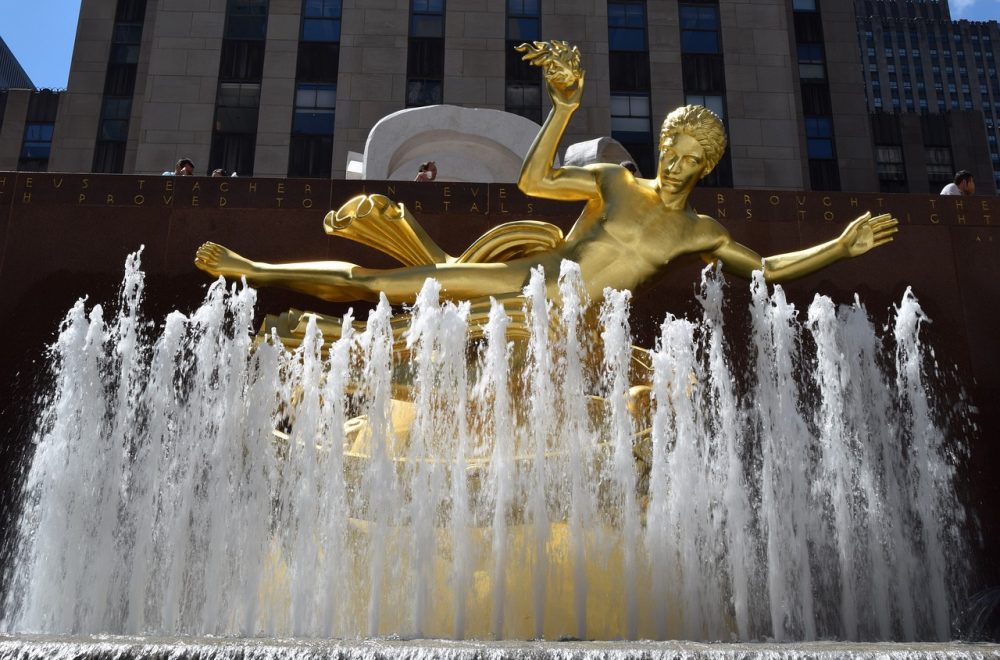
(290, 87)
(931, 85)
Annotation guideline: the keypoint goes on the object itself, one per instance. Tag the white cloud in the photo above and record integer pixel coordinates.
(958, 7)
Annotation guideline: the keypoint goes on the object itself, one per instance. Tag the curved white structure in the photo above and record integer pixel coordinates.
(468, 144)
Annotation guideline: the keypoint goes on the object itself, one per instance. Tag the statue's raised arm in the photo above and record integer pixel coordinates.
(564, 76)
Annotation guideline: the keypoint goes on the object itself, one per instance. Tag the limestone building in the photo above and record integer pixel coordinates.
(931, 85)
(292, 87)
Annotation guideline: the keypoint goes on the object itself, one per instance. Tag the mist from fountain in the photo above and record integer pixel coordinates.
(808, 496)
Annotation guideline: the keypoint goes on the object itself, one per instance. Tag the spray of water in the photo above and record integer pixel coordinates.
(535, 486)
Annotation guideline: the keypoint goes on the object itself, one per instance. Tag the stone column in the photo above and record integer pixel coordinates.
(371, 82)
(80, 106)
(765, 131)
(277, 88)
(181, 85)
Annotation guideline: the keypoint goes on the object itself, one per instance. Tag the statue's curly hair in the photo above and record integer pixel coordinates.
(703, 125)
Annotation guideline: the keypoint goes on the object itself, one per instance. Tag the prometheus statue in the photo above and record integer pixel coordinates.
(627, 234)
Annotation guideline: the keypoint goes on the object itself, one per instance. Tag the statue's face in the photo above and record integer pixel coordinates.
(682, 163)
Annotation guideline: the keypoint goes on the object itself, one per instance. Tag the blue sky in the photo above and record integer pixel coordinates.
(41, 33)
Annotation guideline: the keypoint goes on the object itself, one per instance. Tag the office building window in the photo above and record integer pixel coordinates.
(39, 124)
(321, 20)
(425, 55)
(119, 85)
(627, 26)
(703, 71)
(237, 100)
(816, 105)
(889, 164)
(246, 19)
(310, 151)
(699, 29)
(629, 113)
(628, 59)
(811, 61)
(524, 81)
(939, 166)
(35, 147)
(819, 134)
(713, 103)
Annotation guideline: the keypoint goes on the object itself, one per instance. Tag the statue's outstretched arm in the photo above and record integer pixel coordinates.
(564, 81)
(860, 236)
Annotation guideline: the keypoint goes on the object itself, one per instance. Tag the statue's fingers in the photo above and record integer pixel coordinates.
(882, 241)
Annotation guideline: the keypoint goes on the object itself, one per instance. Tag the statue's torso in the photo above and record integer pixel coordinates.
(627, 236)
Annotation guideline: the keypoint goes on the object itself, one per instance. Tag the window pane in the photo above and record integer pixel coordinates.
(699, 42)
(812, 71)
(318, 61)
(713, 103)
(38, 132)
(117, 108)
(621, 38)
(318, 122)
(326, 96)
(115, 130)
(124, 54)
(310, 156)
(426, 26)
(619, 106)
(630, 124)
(431, 6)
(305, 97)
(239, 95)
(423, 92)
(321, 29)
(246, 27)
(522, 29)
(236, 120)
(321, 8)
(639, 106)
(698, 18)
(820, 148)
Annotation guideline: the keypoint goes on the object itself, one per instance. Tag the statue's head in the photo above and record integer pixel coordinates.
(701, 124)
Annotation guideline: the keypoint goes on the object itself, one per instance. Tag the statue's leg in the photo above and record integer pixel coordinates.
(342, 281)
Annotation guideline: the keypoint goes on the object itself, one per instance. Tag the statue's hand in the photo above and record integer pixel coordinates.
(560, 63)
(217, 260)
(867, 232)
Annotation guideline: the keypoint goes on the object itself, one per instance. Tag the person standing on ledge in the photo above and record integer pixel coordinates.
(627, 234)
(428, 171)
(964, 184)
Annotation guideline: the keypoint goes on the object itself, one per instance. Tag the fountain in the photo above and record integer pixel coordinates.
(508, 468)
(809, 498)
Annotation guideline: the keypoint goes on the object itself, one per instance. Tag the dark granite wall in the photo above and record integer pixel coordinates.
(63, 236)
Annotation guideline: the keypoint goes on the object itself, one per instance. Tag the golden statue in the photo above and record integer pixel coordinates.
(629, 231)
(627, 234)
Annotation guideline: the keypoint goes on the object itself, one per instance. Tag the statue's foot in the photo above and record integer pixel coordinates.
(217, 260)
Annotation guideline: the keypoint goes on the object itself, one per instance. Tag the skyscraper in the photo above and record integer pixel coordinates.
(290, 87)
